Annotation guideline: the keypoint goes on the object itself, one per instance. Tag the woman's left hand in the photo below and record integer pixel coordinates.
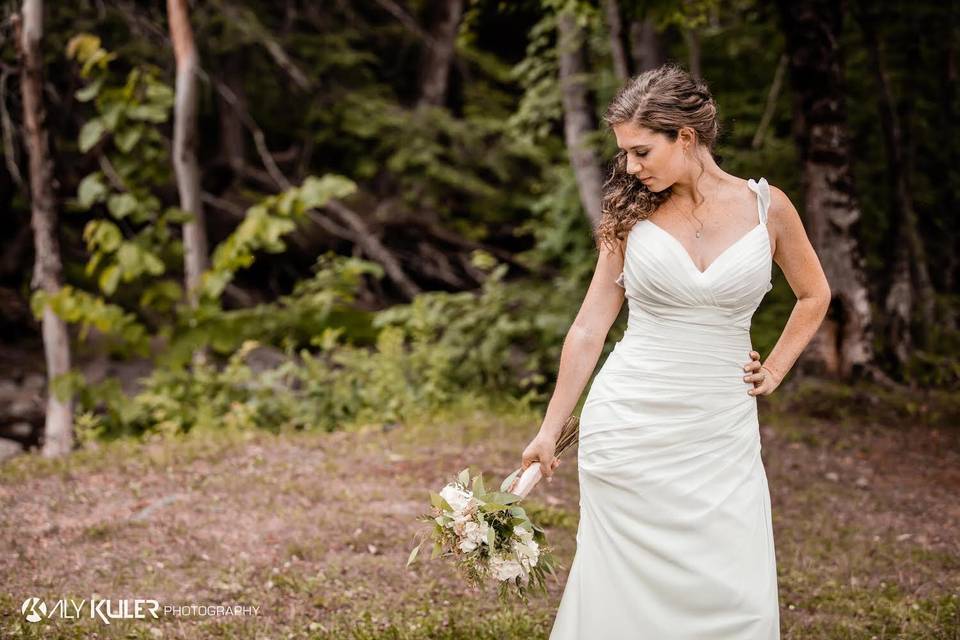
(763, 379)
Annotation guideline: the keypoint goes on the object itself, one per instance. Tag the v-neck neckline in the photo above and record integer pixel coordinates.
(684, 251)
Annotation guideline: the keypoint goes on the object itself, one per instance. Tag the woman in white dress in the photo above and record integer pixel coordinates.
(675, 540)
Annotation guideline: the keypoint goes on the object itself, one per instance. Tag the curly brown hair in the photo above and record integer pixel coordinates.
(664, 100)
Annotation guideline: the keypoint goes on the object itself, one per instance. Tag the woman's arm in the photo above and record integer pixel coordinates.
(584, 341)
(799, 262)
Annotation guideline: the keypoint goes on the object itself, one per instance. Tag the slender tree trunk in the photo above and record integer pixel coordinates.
(910, 278)
(577, 116)
(195, 256)
(692, 38)
(47, 270)
(948, 118)
(438, 53)
(233, 146)
(618, 50)
(646, 47)
(844, 344)
(772, 96)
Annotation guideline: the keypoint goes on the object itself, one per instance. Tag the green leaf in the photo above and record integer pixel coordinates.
(90, 134)
(121, 205)
(437, 500)
(109, 279)
(127, 138)
(91, 190)
(316, 192)
(478, 488)
(82, 46)
(413, 554)
(148, 112)
(491, 537)
(509, 480)
(90, 91)
(102, 235)
(504, 498)
(464, 477)
(111, 113)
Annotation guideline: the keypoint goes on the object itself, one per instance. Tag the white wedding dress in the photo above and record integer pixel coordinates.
(675, 540)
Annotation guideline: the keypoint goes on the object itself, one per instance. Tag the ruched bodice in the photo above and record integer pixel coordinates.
(662, 281)
(675, 539)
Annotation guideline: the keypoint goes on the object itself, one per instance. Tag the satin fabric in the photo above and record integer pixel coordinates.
(675, 540)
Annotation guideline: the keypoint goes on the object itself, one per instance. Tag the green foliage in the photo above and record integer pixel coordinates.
(87, 310)
(264, 226)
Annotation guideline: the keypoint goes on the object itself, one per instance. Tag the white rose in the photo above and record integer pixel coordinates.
(458, 499)
(524, 534)
(505, 568)
(529, 552)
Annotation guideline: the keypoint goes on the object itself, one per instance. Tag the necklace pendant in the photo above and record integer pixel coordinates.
(698, 234)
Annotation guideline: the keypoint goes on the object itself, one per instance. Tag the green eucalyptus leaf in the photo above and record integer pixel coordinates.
(413, 554)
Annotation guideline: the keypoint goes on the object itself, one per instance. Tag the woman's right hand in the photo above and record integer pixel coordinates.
(541, 450)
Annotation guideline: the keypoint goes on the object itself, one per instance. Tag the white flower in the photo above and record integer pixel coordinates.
(458, 498)
(529, 552)
(522, 533)
(467, 545)
(505, 568)
(473, 533)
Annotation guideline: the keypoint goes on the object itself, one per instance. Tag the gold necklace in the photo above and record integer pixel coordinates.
(687, 217)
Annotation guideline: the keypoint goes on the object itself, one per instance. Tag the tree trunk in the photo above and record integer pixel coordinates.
(577, 116)
(646, 47)
(946, 34)
(910, 279)
(844, 344)
(692, 38)
(47, 270)
(195, 257)
(618, 51)
(772, 96)
(438, 53)
(233, 148)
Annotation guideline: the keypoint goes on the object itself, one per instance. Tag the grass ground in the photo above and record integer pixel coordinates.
(315, 528)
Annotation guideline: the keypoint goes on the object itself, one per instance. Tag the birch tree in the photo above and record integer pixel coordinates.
(47, 267)
(844, 343)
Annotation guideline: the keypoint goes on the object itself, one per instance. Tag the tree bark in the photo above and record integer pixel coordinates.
(772, 96)
(646, 47)
(195, 253)
(438, 53)
(577, 116)
(47, 270)
(844, 344)
(618, 50)
(692, 38)
(910, 277)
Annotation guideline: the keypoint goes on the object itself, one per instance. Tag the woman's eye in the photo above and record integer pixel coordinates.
(640, 155)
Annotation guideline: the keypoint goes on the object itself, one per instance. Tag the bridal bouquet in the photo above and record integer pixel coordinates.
(488, 534)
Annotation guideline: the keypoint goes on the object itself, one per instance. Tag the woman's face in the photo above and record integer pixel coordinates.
(651, 157)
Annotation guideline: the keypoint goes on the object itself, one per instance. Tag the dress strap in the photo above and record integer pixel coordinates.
(762, 189)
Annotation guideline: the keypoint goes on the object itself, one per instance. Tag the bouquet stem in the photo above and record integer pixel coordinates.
(522, 484)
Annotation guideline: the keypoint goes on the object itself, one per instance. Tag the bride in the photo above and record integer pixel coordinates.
(675, 538)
